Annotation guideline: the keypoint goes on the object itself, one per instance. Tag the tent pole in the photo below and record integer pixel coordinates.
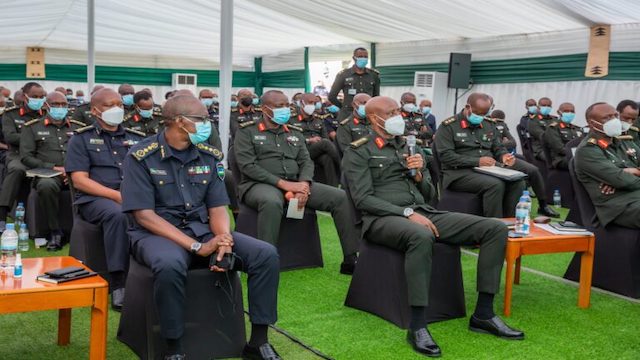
(307, 73)
(91, 50)
(226, 71)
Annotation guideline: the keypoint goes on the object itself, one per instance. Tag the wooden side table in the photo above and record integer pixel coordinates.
(28, 294)
(544, 242)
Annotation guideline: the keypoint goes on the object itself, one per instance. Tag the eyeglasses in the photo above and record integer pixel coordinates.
(196, 118)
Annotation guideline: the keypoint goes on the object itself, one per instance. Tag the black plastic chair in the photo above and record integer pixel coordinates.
(525, 144)
(616, 264)
(36, 220)
(574, 210)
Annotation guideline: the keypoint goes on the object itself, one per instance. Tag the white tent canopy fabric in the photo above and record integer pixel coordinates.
(185, 34)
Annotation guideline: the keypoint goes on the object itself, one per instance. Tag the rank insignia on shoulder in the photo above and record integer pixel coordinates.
(83, 129)
(359, 142)
(142, 153)
(345, 121)
(295, 127)
(31, 122)
(210, 150)
(137, 132)
(247, 123)
(449, 120)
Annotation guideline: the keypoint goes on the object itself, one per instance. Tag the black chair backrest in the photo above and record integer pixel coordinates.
(586, 208)
(525, 144)
(570, 146)
(357, 214)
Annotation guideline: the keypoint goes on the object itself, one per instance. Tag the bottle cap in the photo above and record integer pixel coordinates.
(20, 204)
(11, 226)
(23, 226)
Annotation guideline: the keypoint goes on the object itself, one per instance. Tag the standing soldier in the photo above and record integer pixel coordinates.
(354, 80)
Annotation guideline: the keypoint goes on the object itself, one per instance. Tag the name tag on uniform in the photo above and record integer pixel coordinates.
(157, 171)
(70, 133)
(378, 157)
(500, 127)
(96, 141)
(292, 139)
(352, 91)
(260, 137)
(199, 170)
(43, 133)
(461, 134)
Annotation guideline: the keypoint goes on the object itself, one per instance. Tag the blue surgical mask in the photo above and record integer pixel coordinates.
(234, 104)
(58, 113)
(361, 111)
(35, 104)
(475, 119)
(362, 62)
(333, 109)
(80, 99)
(145, 113)
(567, 117)
(127, 100)
(207, 102)
(281, 115)
(426, 110)
(69, 97)
(532, 109)
(545, 110)
(214, 100)
(203, 131)
(318, 105)
(255, 101)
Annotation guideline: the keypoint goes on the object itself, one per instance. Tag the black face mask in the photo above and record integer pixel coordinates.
(246, 101)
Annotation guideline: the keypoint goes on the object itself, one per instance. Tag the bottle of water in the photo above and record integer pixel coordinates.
(523, 209)
(23, 238)
(525, 194)
(19, 215)
(557, 200)
(8, 247)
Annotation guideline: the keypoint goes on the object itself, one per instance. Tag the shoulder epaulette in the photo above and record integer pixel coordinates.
(345, 121)
(592, 141)
(234, 109)
(86, 128)
(295, 127)
(137, 132)
(359, 142)
(449, 121)
(80, 123)
(490, 119)
(498, 120)
(245, 124)
(31, 122)
(157, 111)
(257, 108)
(128, 116)
(375, 71)
(625, 137)
(554, 124)
(10, 108)
(142, 153)
(634, 128)
(206, 148)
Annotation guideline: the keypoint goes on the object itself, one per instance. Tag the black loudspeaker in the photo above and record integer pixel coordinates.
(459, 70)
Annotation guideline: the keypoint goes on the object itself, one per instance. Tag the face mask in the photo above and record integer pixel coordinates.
(394, 125)
(246, 101)
(361, 111)
(409, 107)
(145, 113)
(58, 113)
(545, 110)
(362, 62)
(333, 109)
(281, 115)
(318, 105)
(612, 128)
(234, 104)
(80, 99)
(309, 109)
(69, 97)
(35, 104)
(567, 117)
(113, 116)
(203, 131)
(426, 110)
(475, 119)
(255, 101)
(127, 100)
(625, 126)
(207, 102)
(214, 100)
(532, 109)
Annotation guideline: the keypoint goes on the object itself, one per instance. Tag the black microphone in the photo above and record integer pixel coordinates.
(411, 143)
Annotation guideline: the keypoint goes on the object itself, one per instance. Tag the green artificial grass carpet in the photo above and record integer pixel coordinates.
(311, 309)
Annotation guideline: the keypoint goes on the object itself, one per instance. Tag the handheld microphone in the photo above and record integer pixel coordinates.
(411, 143)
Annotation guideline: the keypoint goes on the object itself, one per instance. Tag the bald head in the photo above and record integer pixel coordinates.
(379, 109)
(408, 98)
(308, 98)
(566, 107)
(185, 92)
(3, 101)
(61, 89)
(5, 92)
(96, 88)
(56, 98)
(126, 89)
(105, 96)
(360, 99)
(183, 104)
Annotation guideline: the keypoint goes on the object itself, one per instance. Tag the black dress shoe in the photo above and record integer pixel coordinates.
(347, 268)
(175, 357)
(495, 326)
(264, 352)
(548, 211)
(422, 342)
(55, 243)
(117, 299)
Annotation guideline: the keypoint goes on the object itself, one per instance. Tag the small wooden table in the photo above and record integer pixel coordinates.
(544, 242)
(28, 294)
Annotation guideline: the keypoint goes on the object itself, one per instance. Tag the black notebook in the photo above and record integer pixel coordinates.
(71, 277)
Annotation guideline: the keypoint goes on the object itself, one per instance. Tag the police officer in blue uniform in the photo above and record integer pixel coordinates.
(94, 159)
(173, 188)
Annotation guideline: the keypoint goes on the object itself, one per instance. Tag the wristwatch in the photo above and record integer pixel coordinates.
(195, 247)
(407, 212)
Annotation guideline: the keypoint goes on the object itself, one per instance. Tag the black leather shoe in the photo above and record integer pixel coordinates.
(55, 243)
(175, 357)
(495, 326)
(422, 342)
(264, 352)
(347, 268)
(117, 299)
(548, 211)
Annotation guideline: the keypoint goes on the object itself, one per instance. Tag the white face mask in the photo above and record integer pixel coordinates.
(394, 125)
(612, 128)
(113, 116)
(625, 126)
(409, 107)
(309, 109)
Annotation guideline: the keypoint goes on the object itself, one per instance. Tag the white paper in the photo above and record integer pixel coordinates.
(293, 212)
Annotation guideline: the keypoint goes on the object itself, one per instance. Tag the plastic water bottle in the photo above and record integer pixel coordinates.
(8, 247)
(525, 194)
(523, 209)
(19, 215)
(23, 238)
(17, 269)
(557, 200)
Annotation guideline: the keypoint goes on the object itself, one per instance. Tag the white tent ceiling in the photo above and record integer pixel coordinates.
(189, 29)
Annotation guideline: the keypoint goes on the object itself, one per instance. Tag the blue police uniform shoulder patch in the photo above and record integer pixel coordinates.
(143, 151)
(208, 149)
